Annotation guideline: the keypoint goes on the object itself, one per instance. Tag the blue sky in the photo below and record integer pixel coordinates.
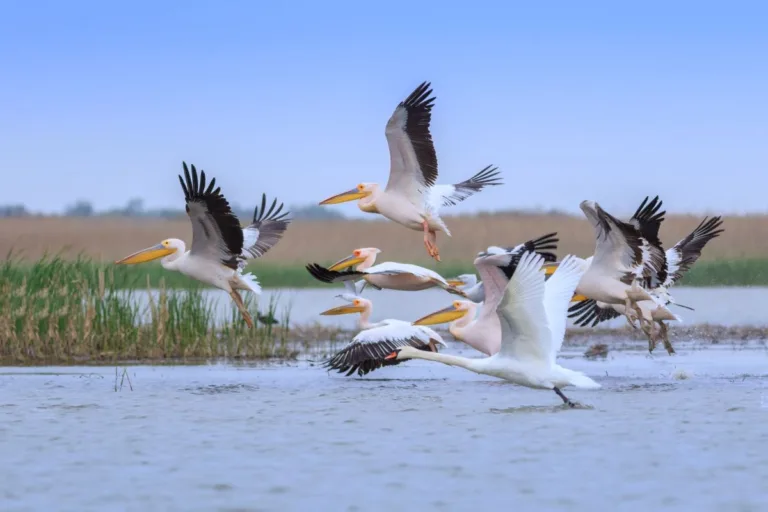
(591, 100)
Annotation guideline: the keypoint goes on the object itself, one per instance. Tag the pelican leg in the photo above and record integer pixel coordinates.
(565, 398)
(648, 330)
(664, 330)
(241, 306)
(430, 241)
(628, 312)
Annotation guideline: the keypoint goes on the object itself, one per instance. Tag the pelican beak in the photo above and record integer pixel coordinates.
(349, 195)
(578, 298)
(445, 315)
(347, 262)
(549, 268)
(455, 282)
(392, 355)
(343, 310)
(149, 254)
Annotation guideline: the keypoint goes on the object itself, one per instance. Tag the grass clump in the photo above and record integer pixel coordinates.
(56, 310)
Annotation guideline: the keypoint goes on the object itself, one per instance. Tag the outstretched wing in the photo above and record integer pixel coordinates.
(618, 245)
(266, 229)
(449, 195)
(525, 334)
(588, 313)
(684, 253)
(413, 161)
(558, 292)
(216, 232)
(647, 220)
(367, 350)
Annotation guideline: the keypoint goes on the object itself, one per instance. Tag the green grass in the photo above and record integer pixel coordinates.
(742, 272)
(73, 311)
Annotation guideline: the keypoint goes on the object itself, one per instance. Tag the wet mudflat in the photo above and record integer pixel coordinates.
(663, 433)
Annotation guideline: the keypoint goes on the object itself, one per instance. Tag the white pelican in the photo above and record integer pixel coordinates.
(390, 275)
(411, 197)
(495, 265)
(621, 261)
(368, 348)
(532, 317)
(220, 247)
(679, 259)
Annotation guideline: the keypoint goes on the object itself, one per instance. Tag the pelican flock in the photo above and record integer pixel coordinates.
(515, 314)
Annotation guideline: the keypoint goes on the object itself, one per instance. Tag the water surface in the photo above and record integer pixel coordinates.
(421, 435)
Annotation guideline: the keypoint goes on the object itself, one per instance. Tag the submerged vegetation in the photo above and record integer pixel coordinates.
(74, 311)
(736, 272)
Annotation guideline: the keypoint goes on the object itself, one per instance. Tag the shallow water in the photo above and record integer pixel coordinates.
(292, 437)
(729, 306)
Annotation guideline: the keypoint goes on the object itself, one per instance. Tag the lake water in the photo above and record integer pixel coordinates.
(420, 436)
(729, 306)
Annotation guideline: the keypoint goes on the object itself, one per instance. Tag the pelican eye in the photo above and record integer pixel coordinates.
(356, 302)
(361, 187)
(356, 253)
(457, 305)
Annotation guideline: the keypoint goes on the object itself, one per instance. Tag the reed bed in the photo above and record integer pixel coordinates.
(56, 310)
(108, 239)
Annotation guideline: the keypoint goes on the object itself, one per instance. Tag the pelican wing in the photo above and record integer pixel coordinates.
(367, 350)
(647, 220)
(558, 292)
(393, 268)
(266, 229)
(494, 278)
(525, 335)
(618, 246)
(216, 232)
(684, 253)
(449, 195)
(413, 161)
(589, 313)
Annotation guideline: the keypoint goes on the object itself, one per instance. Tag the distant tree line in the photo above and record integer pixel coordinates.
(135, 208)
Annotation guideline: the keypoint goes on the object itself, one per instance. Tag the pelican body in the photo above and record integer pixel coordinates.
(365, 353)
(389, 275)
(411, 197)
(220, 247)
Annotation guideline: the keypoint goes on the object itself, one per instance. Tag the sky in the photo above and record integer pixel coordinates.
(609, 101)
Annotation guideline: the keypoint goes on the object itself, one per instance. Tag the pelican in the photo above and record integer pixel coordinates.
(469, 284)
(411, 197)
(220, 247)
(365, 353)
(532, 318)
(495, 265)
(679, 259)
(623, 259)
(390, 275)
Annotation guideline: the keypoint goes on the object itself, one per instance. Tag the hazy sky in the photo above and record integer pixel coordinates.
(573, 100)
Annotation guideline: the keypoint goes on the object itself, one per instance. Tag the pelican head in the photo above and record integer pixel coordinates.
(494, 255)
(463, 280)
(403, 353)
(164, 248)
(458, 309)
(358, 256)
(365, 193)
(355, 305)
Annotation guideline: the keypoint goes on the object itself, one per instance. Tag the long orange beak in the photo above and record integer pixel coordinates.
(579, 298)
(347, 262)
(144, 255)
(445, 315)
(343, 310)
(549, 268)
(349, 195)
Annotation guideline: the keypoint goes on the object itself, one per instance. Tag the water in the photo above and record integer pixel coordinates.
(421, 436)
(729, 306)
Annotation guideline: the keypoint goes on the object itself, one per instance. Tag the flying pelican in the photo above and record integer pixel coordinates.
(411, 197)
(495, 265)
(679, 259)
(623, 259)
(367, 349)
(390, 275)
(220, 247)
(532, 318)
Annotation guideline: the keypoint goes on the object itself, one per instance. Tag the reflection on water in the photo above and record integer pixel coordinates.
(723, 306)
(293, 437)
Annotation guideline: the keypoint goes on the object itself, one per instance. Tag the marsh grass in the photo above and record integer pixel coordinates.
(56, 310)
